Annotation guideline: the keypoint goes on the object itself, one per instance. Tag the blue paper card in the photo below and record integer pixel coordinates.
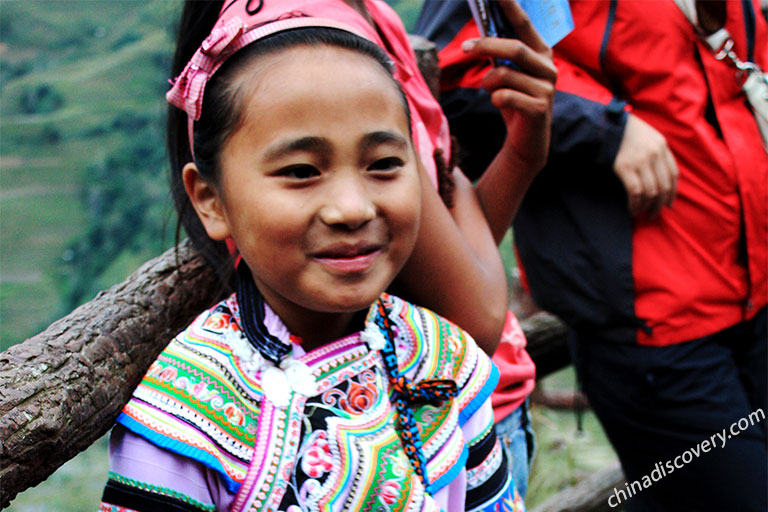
(552, 18)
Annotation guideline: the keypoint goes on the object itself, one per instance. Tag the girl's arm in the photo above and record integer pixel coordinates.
(144, 477)
(455, 268)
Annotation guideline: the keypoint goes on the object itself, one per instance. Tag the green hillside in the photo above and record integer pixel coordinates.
(82, 175)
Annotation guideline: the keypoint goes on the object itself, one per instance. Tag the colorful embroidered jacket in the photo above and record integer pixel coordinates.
(203, 431)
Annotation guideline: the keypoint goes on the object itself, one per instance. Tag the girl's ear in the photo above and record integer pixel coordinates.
(205, 200)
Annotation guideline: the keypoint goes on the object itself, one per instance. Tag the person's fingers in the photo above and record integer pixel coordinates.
(644, 153)
(504, 77)
(674, 174)
(516, 51)
(521, 23)
(631, 182)
(664, 180)
(649, 195)
(511, 100)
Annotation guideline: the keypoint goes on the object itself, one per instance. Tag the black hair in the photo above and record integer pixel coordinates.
(220, 113)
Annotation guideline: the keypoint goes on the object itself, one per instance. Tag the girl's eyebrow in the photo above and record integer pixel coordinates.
(303, 144)
(383, 137)
(320, 145)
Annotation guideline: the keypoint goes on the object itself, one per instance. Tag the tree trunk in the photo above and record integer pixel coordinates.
(62, 389)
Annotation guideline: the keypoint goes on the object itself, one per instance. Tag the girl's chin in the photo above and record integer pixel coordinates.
(349, 303)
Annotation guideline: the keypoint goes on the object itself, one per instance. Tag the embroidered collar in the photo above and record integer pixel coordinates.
(266, 346)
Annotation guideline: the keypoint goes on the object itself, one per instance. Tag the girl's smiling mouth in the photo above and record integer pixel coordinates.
(347, 258)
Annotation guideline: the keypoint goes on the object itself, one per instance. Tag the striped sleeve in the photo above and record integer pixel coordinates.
(489, 482)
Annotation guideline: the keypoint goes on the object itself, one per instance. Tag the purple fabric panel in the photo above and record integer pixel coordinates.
(451, 497)
(478, 422)
(134, 457)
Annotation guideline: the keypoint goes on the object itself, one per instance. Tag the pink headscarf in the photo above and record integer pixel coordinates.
(241, 23)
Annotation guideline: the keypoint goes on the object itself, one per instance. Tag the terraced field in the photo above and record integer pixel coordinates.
(78, 80)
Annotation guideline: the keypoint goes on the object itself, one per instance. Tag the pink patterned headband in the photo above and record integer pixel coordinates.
(240, 24)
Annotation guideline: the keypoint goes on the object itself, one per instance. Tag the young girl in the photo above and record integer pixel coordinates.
(455, 268)
(309, 388)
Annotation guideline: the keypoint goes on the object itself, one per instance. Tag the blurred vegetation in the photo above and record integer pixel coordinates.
(83, 190)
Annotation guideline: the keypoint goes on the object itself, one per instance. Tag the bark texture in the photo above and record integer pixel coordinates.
(547, 342)
(62, 389)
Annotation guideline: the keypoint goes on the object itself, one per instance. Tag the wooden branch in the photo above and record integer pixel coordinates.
(589, 495)
(547, 342)
(62, 389)
(559, 398)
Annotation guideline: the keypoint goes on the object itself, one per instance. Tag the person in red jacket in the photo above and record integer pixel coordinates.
(647, 233)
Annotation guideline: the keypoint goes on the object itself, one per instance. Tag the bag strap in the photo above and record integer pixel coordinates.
(752, 79)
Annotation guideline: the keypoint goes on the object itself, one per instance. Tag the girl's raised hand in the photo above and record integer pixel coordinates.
(523, 95)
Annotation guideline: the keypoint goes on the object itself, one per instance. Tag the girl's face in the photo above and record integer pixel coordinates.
(319, 184)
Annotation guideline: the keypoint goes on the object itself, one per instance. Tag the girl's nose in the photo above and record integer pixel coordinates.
(348, 203)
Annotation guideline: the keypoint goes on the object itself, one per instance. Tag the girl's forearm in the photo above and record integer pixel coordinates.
(501, 189)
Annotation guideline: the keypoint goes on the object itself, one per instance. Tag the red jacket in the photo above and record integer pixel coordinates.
(701, 266)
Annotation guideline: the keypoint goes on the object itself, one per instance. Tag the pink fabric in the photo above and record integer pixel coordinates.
(517, 373)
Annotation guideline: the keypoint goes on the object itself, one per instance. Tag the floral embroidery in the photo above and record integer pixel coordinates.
(358, 398)
(308, 488)
(317, 459)
(335, 449)
(217, 322)
(390, 490)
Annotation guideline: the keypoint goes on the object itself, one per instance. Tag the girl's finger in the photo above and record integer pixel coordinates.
(524, 29)
(513, 50)
(503, 77)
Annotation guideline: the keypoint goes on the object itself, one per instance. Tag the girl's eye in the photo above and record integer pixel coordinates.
(299, 172)
(391, 163)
